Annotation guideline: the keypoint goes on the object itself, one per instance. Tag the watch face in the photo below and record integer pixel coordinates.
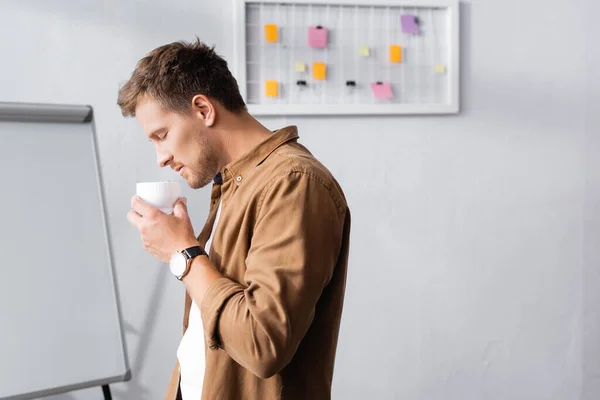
(178, 264)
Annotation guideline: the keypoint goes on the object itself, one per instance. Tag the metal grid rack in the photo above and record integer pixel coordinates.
(425, 80)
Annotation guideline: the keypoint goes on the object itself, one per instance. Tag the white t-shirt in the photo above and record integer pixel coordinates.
(191, 349)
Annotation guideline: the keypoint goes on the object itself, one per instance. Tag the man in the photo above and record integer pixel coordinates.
(262, 310)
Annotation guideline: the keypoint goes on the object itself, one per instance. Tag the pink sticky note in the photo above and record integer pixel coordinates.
(382, 90)
(317, 36)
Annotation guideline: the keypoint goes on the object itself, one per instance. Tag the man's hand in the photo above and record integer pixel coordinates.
(162, 234)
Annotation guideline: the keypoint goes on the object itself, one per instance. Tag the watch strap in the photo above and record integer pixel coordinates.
(194, 251)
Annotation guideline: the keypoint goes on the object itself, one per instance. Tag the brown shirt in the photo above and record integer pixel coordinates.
(271, 325)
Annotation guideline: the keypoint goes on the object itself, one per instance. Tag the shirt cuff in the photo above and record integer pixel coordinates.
(215, 298)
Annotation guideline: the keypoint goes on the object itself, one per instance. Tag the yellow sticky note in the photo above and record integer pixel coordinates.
(300, 67)
(271, 32)
(364, 51)
(319, 70)
(395, 53)
(271, 88)
(440, 68)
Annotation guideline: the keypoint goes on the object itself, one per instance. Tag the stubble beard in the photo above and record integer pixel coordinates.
(205, 169)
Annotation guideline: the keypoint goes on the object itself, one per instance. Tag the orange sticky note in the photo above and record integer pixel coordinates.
(271, 32)
(271, 88)
(319, 70)
(395, 53)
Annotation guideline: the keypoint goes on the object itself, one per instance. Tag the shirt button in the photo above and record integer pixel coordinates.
(239, 178)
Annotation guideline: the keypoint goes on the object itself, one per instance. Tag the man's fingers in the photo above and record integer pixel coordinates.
(141, 207)
(180, 208)
(134, 218)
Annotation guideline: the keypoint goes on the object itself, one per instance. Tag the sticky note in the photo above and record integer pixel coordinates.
(271, 88)
(319, 70)
(395, 53)
(300, 67)
(440, 68)
(271, 33)
(382, 90)
(317, 37)
(364, 51)
(410, 24)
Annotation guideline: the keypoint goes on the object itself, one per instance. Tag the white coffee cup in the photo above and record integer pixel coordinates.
(162, 195)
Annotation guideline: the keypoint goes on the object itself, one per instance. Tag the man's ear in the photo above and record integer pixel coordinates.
(204, 109)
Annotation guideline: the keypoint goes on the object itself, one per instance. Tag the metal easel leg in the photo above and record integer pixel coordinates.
(106, 391)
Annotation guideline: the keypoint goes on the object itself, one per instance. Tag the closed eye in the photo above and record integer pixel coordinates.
(158, 134)
(157, 137)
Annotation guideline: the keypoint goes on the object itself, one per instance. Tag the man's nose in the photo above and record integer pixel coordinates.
(163, 158)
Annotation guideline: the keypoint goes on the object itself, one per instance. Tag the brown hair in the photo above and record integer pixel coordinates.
(174, 73)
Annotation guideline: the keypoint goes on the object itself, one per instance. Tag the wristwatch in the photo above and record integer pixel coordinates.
(182, 260)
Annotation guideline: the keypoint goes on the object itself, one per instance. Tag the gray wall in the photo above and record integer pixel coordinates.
(473, 268)
(591, 257)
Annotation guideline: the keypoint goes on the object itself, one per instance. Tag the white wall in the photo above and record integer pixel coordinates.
(473, 267)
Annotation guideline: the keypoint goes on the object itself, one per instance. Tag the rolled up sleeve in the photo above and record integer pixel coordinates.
(294, 249)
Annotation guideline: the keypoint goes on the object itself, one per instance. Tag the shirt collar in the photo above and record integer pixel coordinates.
(238, 169)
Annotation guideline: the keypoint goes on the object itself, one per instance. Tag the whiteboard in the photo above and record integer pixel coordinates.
(277, 76)
(60, 324)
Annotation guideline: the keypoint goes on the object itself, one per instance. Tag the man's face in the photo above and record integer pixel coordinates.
(182, 142)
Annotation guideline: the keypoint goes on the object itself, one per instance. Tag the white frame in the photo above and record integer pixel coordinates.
(239, 64)
(77, 114)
